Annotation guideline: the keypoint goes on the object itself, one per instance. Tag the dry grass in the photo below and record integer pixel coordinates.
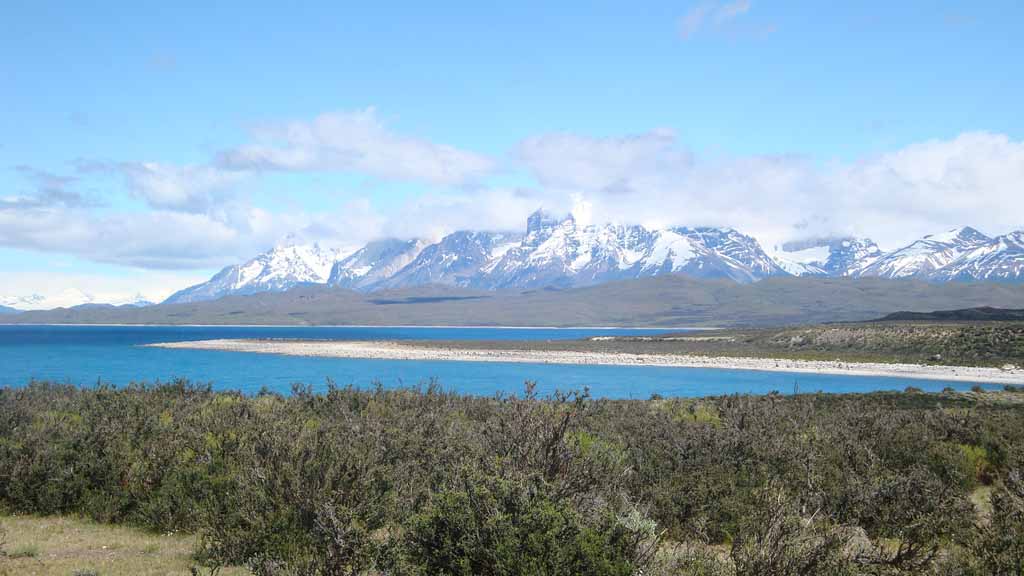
(64, 546)
(981, 499)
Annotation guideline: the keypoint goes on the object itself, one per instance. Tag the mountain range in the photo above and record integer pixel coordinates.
(668, 300)
(67, 298)
(554, 252)
(561, 253)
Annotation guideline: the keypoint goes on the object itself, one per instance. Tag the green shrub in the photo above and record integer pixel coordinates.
(976, 465)
(421, 480)
(775, 540)
(493, 526)
(998, 544)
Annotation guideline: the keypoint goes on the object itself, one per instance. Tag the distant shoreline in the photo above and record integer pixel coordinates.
(473, 326)
(395, 350)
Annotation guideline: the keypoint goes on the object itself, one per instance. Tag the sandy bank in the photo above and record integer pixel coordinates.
(394, 350)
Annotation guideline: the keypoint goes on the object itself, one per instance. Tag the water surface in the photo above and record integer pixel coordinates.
(85, 355)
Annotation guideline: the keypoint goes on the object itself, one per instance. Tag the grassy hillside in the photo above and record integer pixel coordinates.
(662, 301)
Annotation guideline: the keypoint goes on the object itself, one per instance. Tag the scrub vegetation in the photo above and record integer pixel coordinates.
(995, 344)
(422, 481)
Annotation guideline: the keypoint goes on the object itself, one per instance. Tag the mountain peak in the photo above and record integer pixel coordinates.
(959, 234)
(289, 240)
(564, 251)
(543, 220)
(286, 265)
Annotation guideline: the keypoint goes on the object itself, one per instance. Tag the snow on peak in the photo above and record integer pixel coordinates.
(286, 265)
(569, 251)
(826, 256)
(68, 298)
(960, 234)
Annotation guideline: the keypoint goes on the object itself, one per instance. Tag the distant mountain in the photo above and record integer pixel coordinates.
(137, 302)
(663, 300)
(374, 263)
(64, 299)
(1001, 259)
(6, 310)
(67, 298)
(553, 252)
(562, 253)
(456, 260)
(926, 257)
(827, 257)
(982, 314)
(285, 266)
(557, 252)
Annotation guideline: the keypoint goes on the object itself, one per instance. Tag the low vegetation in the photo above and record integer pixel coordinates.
(69, 546)
(422, 481)
(953, 344)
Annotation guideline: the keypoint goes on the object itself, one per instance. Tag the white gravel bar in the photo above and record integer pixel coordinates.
(395, 350)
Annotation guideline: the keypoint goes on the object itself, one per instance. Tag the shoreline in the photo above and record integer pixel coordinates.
(472, 326)
(395, 350)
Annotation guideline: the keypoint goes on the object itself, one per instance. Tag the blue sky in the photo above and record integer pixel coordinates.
(144, 145)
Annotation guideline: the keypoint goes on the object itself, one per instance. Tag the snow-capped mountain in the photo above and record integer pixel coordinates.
(925, 258)
(1001, 260)
(374, 263)
(831, 257)
(553, 252)
(725, 253)
(64, 299)
(279, 269)
(67, 298)
(138, 300)
(562, 253)
(456, 260)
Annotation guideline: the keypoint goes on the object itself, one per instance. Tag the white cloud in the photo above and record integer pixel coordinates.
(717, 13)
(199, 218)
(608, 164)
(358, 142)
(48, 189)
(434, 215)
(973, 179)
(158, 239)
(187, 188)
(732, 10)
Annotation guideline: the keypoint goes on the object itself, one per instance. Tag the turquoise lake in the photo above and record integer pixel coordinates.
(85, 355)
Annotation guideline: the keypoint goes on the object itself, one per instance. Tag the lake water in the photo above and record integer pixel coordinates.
(84, 355)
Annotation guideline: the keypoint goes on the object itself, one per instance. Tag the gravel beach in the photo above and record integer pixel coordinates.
(395, 350)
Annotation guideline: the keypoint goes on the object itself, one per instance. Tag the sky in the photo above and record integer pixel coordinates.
(145, 145)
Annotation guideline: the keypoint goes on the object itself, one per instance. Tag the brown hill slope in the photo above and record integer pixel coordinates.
(659, 301)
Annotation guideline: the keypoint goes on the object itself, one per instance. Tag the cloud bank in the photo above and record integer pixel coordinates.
(358, 142)
(894, 198)
(199, 215)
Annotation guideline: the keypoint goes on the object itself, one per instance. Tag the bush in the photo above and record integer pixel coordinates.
(998, 545)
(3, 552)
(494, 526)
(424, 481)
(775, 540)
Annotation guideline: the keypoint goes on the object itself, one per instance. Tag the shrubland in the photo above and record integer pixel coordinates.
(995, 344)
(424, 481)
